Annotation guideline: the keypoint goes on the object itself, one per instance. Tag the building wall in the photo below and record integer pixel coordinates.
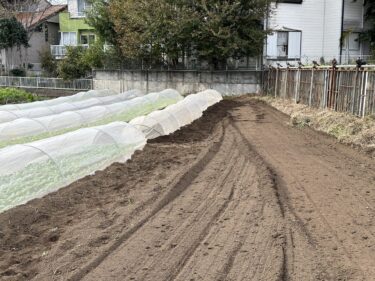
(72, 6)
(68, 24)
(38, 43)
(332, 11)
(353, 15)
(354, 23)
(319, 21)
(53, 33)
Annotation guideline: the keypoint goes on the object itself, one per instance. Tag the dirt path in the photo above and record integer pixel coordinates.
(238, 195)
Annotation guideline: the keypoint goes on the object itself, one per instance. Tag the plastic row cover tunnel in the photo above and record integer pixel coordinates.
(32, 170)
(45, 110)
(73, 98)
(172, 118)
(30, 129)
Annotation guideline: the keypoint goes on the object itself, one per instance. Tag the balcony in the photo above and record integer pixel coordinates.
(59, 51)
(77, 15)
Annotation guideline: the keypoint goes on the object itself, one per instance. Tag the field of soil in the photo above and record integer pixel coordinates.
(237, 195)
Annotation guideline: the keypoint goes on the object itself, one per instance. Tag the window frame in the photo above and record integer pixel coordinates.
(89, 41)
(62, 41)
(293, 47)
(283, 45)
(348, 47)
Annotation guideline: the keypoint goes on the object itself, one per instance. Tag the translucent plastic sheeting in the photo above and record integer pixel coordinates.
(10, 115)
(173, 117)
(73, 98)
(35, 169)
(30, 129)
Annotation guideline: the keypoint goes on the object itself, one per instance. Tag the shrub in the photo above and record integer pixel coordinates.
(11, 95)
(48, 63)
(73, 65)
(19, 72)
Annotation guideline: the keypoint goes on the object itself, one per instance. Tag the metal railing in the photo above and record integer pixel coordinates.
(45, 83)
(77, 14)
(60, 51)
(343, 89)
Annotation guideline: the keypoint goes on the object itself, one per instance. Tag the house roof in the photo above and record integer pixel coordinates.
(32, 19)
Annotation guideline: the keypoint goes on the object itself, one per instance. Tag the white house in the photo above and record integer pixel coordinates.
(308, 30)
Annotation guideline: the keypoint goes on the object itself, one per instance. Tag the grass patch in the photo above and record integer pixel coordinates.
(13, 96)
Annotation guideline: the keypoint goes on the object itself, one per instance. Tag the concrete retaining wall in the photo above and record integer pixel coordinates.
(226, 82)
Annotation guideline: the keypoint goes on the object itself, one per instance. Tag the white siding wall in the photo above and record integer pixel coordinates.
(319, 21)
(332, 29)
(294, 48)
(353, 21)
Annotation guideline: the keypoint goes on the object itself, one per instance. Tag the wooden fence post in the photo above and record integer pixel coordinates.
(354, 92)
(311, 86)
(325, 89)
(365, 96)
(338, 77)
(361, 94)
(286, 81)
(277, 81)
(298, 80)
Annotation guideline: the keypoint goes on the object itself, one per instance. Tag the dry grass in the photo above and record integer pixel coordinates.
(345, 127)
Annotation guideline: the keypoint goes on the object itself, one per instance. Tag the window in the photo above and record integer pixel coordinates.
(353, 42)
(284, 45)
(82, 6)
(46, 33)
(68, 38)
(87, 39)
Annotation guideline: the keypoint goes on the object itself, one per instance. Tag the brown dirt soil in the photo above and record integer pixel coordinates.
(237, 195)
(347, 128)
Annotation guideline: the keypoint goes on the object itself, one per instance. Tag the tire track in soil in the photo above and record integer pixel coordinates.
(160, 246)
(178, 187)
(261, 201)
(347, 260)
(217, 183)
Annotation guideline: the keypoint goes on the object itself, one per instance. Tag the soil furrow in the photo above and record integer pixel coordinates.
(239, 194)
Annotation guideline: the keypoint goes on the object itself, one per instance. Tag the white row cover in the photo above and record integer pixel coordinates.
(30, 129)
(166, 121)
(73, 98)
(45, 110)
(32, 170)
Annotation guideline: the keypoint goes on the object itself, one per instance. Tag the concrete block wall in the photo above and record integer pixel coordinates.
(186, 82)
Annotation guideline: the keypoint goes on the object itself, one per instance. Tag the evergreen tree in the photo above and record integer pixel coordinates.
(165, 30)
(12, 34)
